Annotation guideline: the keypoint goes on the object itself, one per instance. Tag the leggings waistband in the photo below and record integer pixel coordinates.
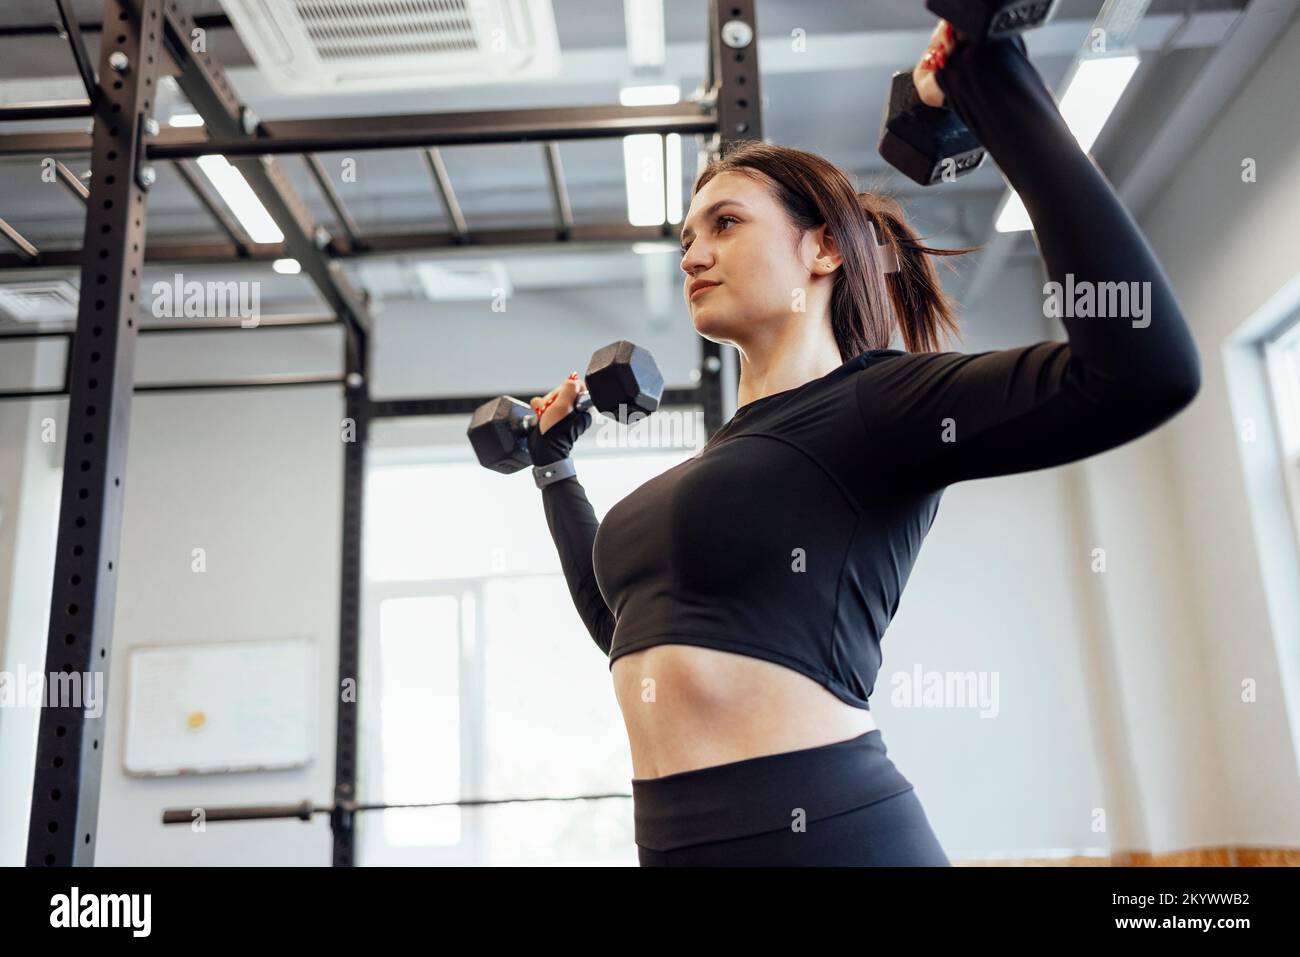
(762, 794)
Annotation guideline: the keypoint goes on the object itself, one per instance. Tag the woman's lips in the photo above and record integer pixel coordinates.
(703, 289)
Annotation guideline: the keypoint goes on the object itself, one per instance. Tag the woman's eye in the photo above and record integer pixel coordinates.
(718, 222)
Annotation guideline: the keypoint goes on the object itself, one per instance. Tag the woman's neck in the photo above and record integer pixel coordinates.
(781, 366)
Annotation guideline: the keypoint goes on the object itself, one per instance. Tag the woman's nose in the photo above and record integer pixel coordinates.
(695, 259)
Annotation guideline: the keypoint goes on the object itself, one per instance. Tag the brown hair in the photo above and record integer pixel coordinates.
(866, 303)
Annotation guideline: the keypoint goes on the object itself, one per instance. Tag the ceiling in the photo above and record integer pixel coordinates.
(828, 100)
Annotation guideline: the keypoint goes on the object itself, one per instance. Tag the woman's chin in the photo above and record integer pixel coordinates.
(709, 323)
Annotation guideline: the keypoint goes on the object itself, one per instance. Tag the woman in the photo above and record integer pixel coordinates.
(742, 595)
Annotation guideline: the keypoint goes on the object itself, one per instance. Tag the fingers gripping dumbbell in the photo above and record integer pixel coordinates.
(623, 383)
(928, 143)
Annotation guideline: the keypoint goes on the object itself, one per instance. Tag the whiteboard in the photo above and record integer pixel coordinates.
(231, 706)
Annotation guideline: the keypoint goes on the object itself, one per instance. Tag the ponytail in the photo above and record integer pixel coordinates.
(924, 314)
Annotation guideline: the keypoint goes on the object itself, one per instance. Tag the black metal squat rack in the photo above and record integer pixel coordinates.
(141, 42)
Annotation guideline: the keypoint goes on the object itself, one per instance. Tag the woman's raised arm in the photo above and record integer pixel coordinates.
(1130, 363)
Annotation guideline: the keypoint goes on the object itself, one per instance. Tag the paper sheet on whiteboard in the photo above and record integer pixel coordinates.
(236, 706)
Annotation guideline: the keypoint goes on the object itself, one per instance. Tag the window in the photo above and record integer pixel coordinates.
(1282, 357)
(419, 674)
(479, 681)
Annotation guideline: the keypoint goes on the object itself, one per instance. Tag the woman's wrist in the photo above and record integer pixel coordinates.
(1003, 100)
(553, 472)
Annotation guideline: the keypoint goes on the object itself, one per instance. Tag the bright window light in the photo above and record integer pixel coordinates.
(650, 95)
(644, 22)
(419, 707)
(1282, 362)
(186, 119)
(643, 164)
(643, 167)
(674, 151)
(1012, 215)
(458, 672)
(1091, 95)
(287, 267)
(241, 199)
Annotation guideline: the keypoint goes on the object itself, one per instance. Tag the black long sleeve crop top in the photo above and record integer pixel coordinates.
(790, 536)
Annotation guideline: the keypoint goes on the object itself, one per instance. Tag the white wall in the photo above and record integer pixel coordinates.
(30, 484)
(996, 591)
(254, 479)
(1192, 616)
(465, 348)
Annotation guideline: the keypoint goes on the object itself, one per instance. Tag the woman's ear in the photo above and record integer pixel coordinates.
(829, 257)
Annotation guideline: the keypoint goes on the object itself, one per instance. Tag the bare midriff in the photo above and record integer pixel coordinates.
(687, 707)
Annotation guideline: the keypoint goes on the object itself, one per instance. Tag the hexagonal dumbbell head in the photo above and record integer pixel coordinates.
(496, 431)
(622, 378)
(925, 142)
(984, 20)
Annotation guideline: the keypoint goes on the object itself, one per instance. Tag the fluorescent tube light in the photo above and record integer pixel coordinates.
(674, 151)
(643, 167)
(650, 95)
(1091, 95)
(644, 22)
(241, 199)
(648, 202)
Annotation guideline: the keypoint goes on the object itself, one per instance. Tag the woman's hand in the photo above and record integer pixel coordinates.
(942, 42)
(557, 407)
(557, 403)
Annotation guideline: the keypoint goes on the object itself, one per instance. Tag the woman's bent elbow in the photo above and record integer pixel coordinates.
(1164, 397)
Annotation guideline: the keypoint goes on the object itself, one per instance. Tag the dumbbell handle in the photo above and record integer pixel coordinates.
(529, 421)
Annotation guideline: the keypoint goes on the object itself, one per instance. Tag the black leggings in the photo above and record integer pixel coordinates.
(839, 805)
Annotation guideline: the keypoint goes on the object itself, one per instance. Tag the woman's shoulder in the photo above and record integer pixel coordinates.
(874, 354)
(889, 370)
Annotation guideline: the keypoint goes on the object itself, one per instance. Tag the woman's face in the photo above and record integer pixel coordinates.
(737, 234)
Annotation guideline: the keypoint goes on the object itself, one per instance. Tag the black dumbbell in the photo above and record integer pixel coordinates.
(982, 20)
(926, 142)
(622, 380)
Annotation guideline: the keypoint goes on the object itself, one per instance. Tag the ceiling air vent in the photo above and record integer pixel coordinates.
(442, 280)
(463, 278)
(340, 46)
(39, 300)
(460, 279)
